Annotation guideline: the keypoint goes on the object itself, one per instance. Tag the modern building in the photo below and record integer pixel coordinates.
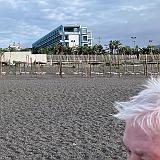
(68, 35)
(15, 46)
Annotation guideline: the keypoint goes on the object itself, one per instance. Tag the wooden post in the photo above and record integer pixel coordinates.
(39, 67)
(60, 67)
(1, 65)
(24, 67)
(104, 63)
(133, 67)
(125, 70)
(52, 59)
(146, 70)
(15, 68)
(90, 67)
(31, 66)
(118, 66)
(9, 60)
(9, 66)
(19, 67)
(110, 65)
(158, 64)
(78, 66)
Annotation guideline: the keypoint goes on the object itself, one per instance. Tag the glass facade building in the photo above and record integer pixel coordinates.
(68, 35)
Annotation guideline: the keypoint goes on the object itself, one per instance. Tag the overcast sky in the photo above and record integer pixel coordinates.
(25, 21)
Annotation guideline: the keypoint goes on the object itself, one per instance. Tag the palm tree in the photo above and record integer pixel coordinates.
(42, 51)
(156, 50)
(97, 49)
(114, 46)
(144, 50)
(87, 50)
(117, 44)
(111, 46)
(126, 50)
(52, 49)
(147, 50)
(67, 50)
(79, 50)
(59, 49)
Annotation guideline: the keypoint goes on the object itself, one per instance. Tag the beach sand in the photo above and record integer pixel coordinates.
(63, 119)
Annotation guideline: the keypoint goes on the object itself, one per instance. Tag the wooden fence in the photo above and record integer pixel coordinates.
(88, 66)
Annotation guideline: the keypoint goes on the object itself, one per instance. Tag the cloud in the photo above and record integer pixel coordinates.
(28, 20)
(131, 8)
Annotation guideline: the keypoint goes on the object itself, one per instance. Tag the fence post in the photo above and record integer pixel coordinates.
(60, 67)
(118, 66)
(1, 65)
(31, 66)
(90, 67)
(146, 69)
(158, 64)
(133, 67)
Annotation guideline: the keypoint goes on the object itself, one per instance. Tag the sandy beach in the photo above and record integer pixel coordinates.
(63, 119)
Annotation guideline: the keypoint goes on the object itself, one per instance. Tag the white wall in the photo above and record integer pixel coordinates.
(23, 57)
(40, 58)
(73, 38)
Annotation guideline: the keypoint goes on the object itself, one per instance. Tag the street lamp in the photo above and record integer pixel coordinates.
(150, 43)
(134, 42)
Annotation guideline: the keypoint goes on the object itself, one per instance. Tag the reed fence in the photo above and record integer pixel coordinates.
(87, 65)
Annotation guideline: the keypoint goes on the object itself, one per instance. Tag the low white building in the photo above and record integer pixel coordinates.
(15, 46)
(25, 57)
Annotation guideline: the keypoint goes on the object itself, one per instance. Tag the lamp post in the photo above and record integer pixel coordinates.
(134, 42)
(150, 43)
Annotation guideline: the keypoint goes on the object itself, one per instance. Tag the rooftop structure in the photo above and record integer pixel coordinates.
(68, 35)
(15, 46)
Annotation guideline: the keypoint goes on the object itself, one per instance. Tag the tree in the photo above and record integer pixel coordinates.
(114, 46)
(25, 49)
(42, 51)
(67, 50)
(126, 50)
(59, 49)
(144, 50)
(79, 50)
(52, 49)
(97, 49)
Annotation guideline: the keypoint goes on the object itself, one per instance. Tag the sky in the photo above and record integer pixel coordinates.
(25, 21)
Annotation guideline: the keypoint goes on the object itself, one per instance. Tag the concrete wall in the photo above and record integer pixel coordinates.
(26, 57)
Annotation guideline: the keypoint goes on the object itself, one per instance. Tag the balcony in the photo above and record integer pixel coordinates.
(74, 33)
